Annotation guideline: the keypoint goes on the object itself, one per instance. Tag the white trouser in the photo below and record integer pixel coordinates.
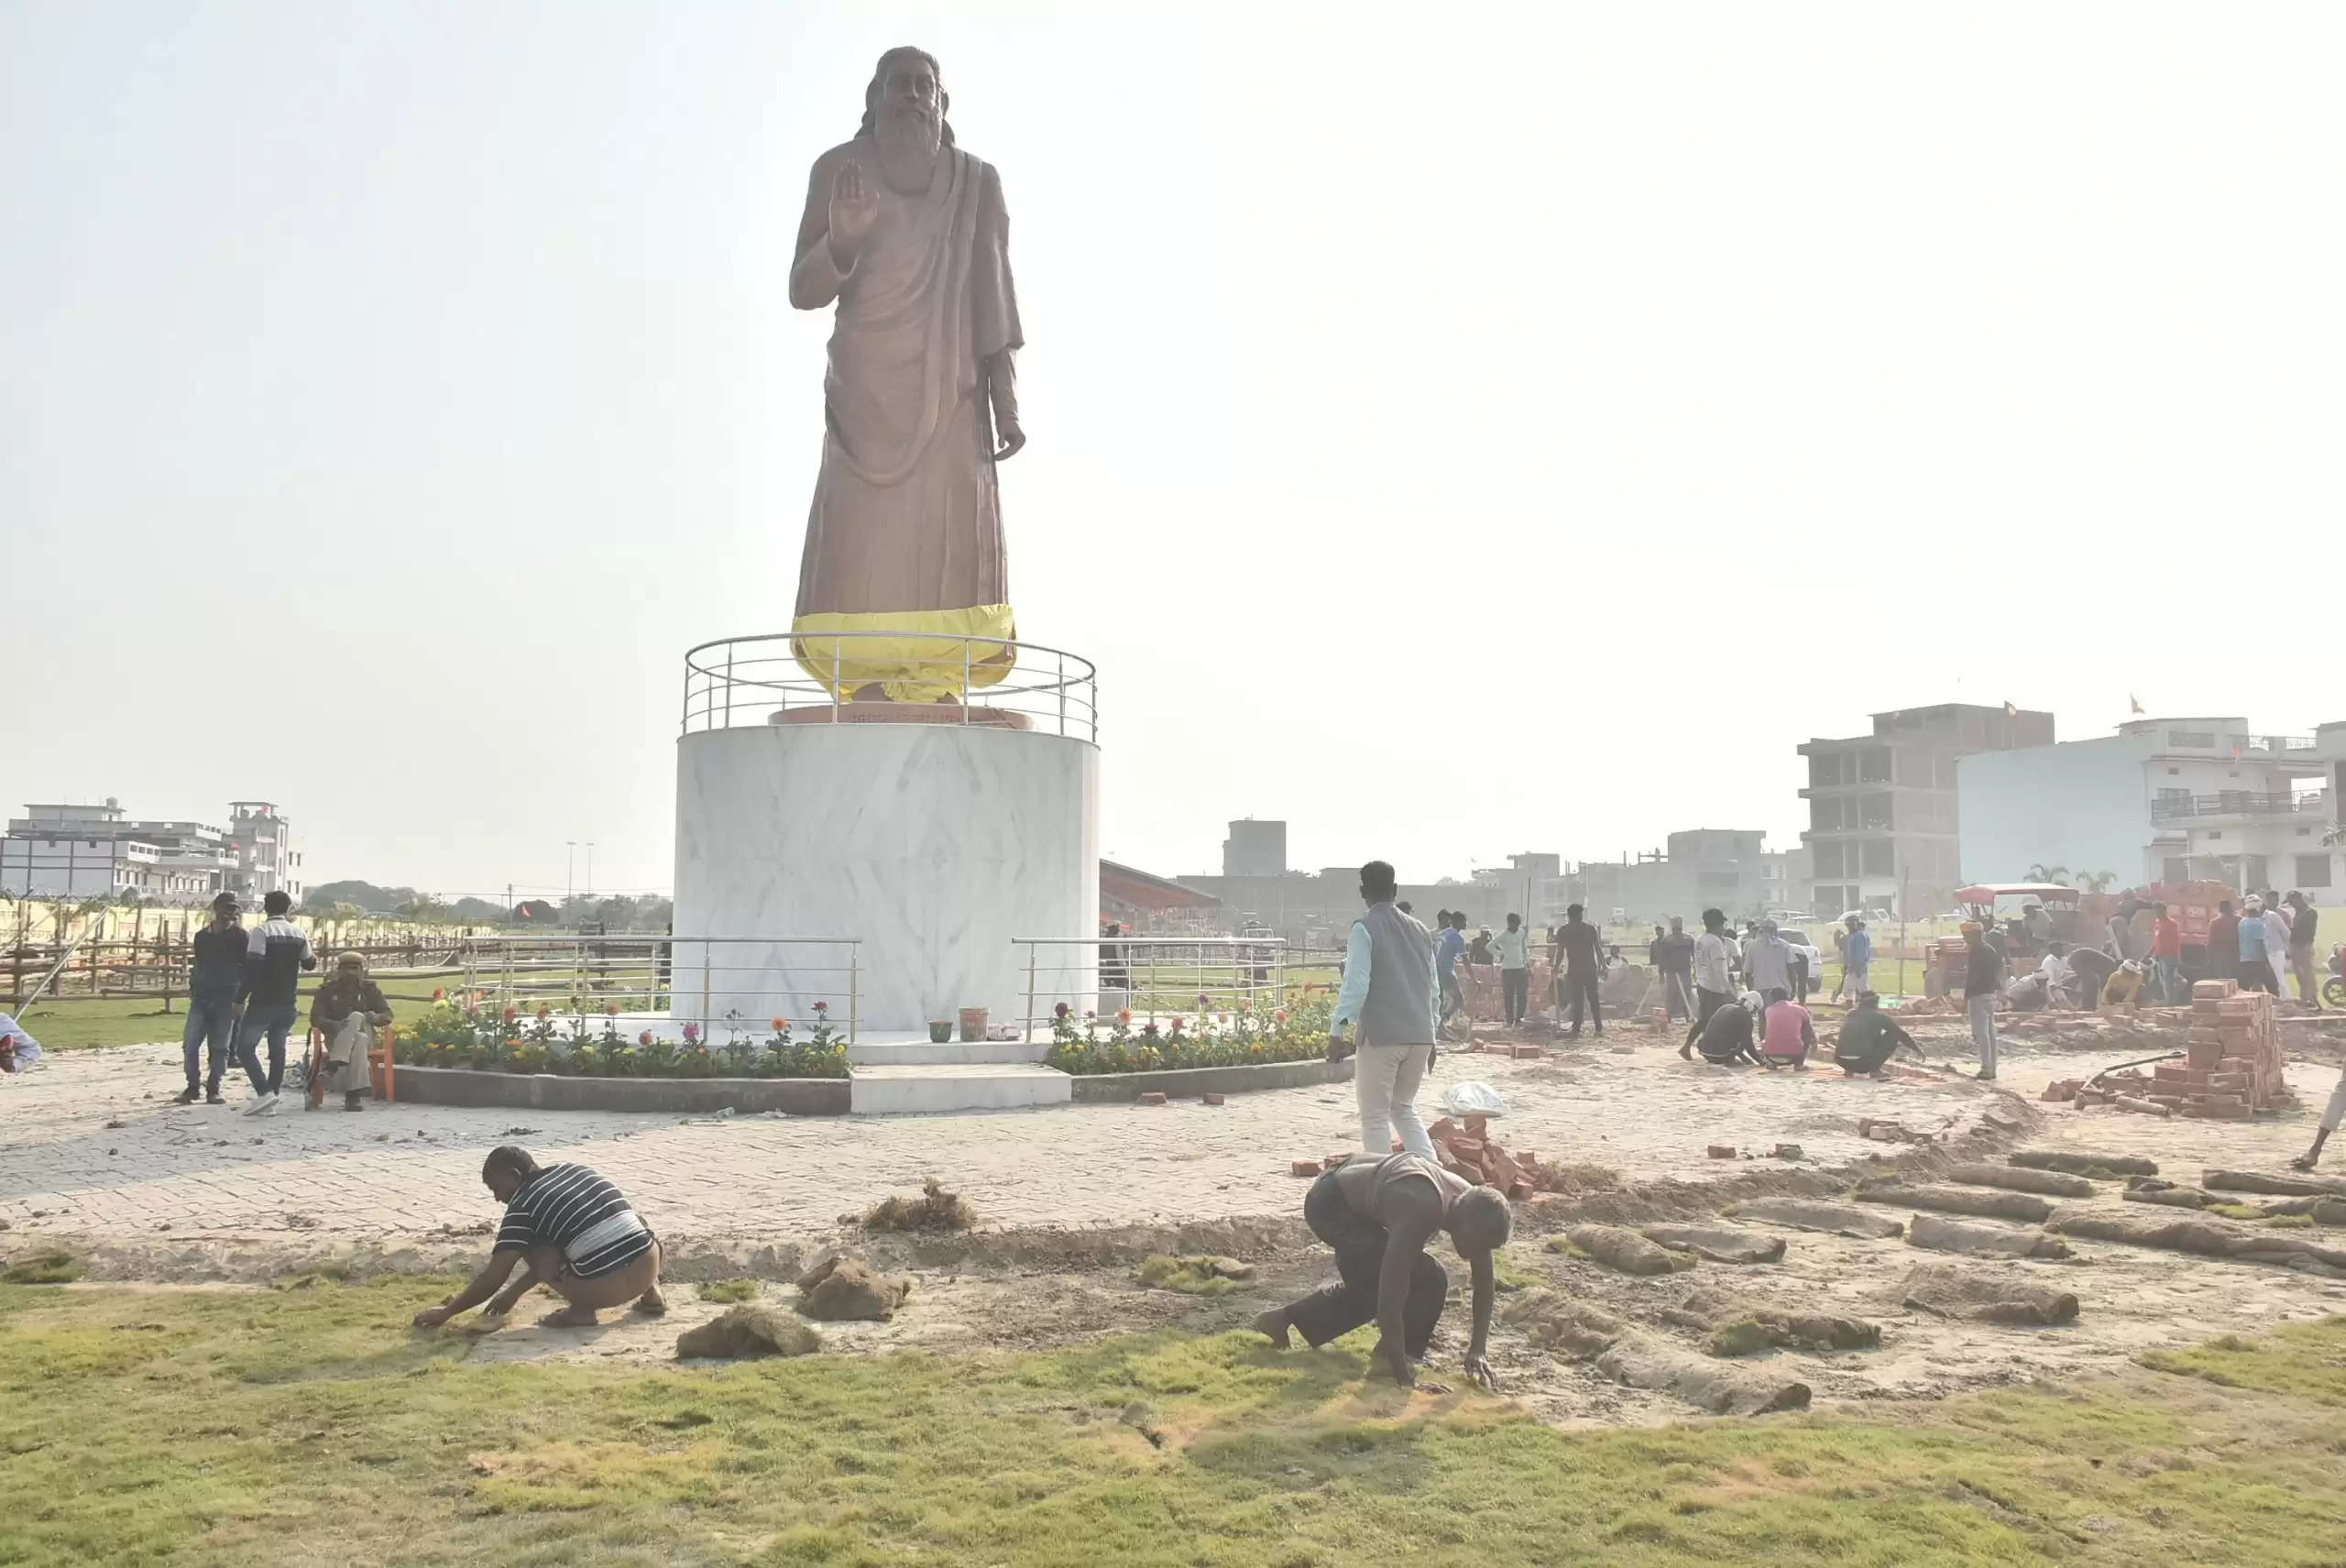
(2337, 1111)
(1983, 1030)
(1385, 1078)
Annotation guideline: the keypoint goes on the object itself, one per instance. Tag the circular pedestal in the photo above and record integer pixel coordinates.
(936, 845)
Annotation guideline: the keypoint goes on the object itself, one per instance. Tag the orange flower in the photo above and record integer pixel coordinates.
(1124, 1016)
(439, 993)
(610, 1009)
(512, 1013)
(779, 1025)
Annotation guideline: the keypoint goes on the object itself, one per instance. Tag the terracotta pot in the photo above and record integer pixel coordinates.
(973, 1023)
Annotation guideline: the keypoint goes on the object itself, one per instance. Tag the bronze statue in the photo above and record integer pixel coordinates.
(908, 234)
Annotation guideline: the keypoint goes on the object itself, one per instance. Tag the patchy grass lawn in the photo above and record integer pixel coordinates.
(312, 1424)
(78, 1023)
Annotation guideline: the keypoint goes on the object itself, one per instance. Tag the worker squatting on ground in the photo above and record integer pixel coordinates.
(1378, 1214)
(1389, 992)
(572, 1232)
(1727, 1034)
(1869, 1037)
(1787, 1032)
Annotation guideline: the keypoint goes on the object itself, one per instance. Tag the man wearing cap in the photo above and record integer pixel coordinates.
(212, 978)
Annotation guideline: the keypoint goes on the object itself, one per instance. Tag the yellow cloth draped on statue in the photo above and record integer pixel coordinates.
(913, 656)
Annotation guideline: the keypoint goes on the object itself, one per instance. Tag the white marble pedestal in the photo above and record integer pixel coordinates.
(935, 844)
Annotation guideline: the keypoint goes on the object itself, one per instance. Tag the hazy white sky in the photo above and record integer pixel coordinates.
(1455, 430)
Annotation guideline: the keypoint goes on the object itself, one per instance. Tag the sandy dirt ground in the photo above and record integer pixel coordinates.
(1071, 1200)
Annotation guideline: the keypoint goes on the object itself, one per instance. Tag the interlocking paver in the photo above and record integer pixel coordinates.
(402, 1171)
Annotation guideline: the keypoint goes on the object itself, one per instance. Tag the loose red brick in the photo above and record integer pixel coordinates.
(1153, 1097)
(1722, 1151)
(1517, 1191)
(1303, 1167)
(1213, 1098)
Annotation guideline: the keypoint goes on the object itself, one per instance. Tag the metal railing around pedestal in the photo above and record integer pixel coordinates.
(570, 974)
(739, 681)
(1154, 977)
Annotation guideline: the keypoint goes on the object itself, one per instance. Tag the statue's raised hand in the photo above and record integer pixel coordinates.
(853, 212)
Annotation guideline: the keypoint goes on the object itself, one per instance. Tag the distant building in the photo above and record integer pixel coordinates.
(2169, 800)
(1882, 806)
(1254, 849)
(1790, 881)
(58, 851)
(1703, 868)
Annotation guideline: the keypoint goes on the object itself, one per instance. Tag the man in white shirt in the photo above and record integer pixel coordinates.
(1713, 967)
(1514, 947)
(1768, 961)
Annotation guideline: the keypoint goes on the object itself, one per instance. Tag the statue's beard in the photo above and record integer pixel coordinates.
(908, 130)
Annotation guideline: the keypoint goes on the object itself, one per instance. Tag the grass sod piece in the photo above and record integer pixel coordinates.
(2204, 1237)
(2014, 1179)
(729, 1290)
(934, 1210)
(1623, 1249)
(1950, 1199)
(1938, 1233)
(2105, 1165)
(241, 1427)
(1807, 1215)
(1200, 1276)
(2272, 1186)
(1718, 1244)
(1987, 1295)
(745, 1332)
(43, 1268)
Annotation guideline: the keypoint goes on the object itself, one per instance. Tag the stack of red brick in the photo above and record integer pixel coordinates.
(2234, 1067)
(1466, 1150)
(1471, 1151)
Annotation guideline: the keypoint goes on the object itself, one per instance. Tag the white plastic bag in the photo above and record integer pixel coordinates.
(1472, 1097)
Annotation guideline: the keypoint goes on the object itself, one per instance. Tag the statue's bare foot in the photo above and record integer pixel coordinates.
(1272, 1326)
(570, 1318)
(871, 691)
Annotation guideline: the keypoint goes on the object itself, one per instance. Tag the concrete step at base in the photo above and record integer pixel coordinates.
(967, 1086)
(954, 1053)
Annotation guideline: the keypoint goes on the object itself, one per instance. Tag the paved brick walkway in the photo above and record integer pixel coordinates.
(398, 1173)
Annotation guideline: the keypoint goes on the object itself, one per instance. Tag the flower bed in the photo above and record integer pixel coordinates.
(1245, 1037)
(448, 1035)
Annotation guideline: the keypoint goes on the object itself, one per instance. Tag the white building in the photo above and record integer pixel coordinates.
(2167, 800)
(59, 850)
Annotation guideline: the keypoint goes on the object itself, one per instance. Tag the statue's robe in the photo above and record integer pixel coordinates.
(904, 536)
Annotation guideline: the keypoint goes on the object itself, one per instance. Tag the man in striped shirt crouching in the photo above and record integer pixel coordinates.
(572, 1232)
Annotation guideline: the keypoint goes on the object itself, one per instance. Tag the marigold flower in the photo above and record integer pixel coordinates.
(439, 993)
(779, 1025)
(644, 1039)
(610, 1009)
(1280, 1015)
(1124, 1016)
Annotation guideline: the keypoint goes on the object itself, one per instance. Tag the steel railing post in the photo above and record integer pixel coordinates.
(1027, 1034)
(854, 988)
(706, 949)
